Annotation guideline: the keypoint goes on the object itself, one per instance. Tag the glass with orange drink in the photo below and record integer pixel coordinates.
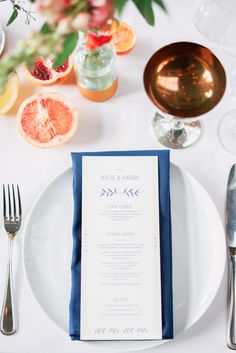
(95, 69)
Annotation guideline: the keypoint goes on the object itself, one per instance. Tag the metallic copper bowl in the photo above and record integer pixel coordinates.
(184, 79)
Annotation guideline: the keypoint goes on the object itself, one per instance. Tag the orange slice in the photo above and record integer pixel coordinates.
(47, 119)
(43, 73)
(9, 95)
(123, 35)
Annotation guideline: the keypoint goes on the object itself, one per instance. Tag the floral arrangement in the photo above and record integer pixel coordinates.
(59, 35)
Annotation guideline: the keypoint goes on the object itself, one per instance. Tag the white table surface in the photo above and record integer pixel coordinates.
(122, 123)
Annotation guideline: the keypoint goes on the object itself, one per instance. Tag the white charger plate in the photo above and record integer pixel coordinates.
(199, 252)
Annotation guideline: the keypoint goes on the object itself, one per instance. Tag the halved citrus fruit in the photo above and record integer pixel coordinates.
(9, 95)
(123, 35)
(47, 119)
(43, 74)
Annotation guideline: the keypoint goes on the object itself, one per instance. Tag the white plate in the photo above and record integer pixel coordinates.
(2, 39)
(198, 252)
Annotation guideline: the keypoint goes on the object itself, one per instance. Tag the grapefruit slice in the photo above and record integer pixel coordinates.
(43, 74)
(47, 119)
(123, 35)
(9, 95)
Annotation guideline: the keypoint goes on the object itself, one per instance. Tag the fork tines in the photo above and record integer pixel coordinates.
(11, 203)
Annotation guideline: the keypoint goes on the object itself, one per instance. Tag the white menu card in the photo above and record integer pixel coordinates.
(120, 274)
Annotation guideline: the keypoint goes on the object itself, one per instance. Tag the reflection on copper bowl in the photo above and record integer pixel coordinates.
(184, 79)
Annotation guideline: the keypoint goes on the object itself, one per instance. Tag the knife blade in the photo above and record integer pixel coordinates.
(231, 240)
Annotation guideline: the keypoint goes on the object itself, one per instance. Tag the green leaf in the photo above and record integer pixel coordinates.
(146, 10)
(120, 4)
(29, 60)
(68, 46)
(46, 28)
(161, 4)
(13, 17)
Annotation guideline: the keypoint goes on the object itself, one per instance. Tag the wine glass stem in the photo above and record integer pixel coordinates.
(177, 124)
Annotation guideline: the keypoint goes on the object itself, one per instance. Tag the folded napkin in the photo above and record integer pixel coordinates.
(165, 239)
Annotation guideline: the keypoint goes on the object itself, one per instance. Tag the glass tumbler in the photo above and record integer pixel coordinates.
(96, 72)
(216, 20)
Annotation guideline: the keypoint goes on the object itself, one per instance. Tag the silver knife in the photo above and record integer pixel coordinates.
(231, 235)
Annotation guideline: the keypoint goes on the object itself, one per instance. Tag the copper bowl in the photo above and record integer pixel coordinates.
(184, 79)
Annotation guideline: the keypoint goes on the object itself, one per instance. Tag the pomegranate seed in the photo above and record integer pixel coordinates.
(62, 67)
(40, 71)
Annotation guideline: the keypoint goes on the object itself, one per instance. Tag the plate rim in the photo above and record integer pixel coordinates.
(155, 343)
(2, 45)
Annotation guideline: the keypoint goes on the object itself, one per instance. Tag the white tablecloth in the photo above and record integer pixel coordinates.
(120, 124)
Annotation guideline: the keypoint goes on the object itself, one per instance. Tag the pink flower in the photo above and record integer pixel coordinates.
(47, 6)
(100, 14)
(97, 3)
(52, 6)
(80, 21)
(67, 2)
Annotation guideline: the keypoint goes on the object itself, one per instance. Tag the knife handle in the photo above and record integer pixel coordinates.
(231, 334)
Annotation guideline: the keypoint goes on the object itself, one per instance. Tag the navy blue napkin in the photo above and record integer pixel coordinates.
(165, 238)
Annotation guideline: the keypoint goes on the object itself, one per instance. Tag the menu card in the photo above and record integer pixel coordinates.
(120, 265)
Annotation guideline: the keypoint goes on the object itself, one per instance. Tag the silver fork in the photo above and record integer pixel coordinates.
(12, 221)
